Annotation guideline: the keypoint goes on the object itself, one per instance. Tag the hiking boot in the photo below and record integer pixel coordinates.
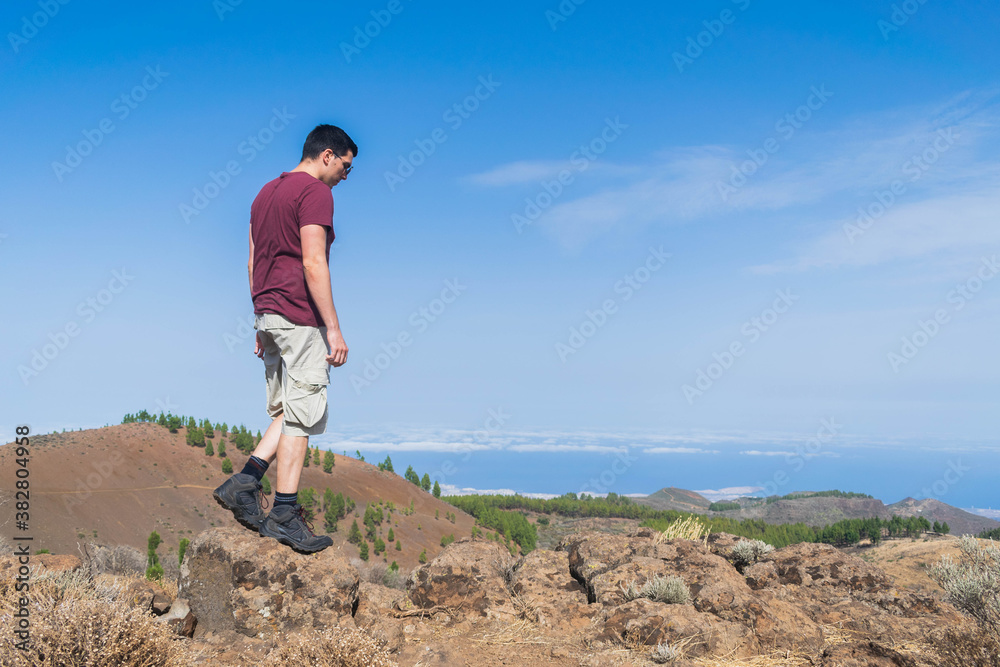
(243, 495)
(288, 525)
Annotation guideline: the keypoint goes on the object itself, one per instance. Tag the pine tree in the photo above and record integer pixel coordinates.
(182, 548)
(437, 489)
(221, 449)
(391, 537)
(399, 547)
(316, 456)
(266, 483)
(425, 482)
(423, 556)
(411, 475)
(354, 536)
(328, 461)
(364, 551)
(153, 568)
(227, 466)
(945, 528)
(330, 518)
(387, 464)
(209, 451)
(305, 462)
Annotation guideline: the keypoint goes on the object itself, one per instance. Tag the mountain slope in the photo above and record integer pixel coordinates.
(821, 511)
(116, 484)
(671, 498)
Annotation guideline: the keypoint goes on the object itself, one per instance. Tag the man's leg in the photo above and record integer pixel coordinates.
(268, 445)
(291, 453)
(242, 493)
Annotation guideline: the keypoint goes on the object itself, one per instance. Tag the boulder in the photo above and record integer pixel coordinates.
(375, 614)
(609, 564)
(808, 564)
(864, 654)
(161, 604)
(470, 576)
(180, 619)
(646, 622)
(546, 593)
(236, 581)
(834, 587)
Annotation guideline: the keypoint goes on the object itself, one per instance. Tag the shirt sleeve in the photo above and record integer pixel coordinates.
(316, 207)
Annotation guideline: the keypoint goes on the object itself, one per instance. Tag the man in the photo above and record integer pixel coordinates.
(298, 333)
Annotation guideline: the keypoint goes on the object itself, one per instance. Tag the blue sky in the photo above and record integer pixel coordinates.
(716, 224)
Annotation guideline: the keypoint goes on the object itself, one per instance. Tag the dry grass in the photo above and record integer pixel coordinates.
(330, 647)
(689, 528)
(965, 648)
(76, 620)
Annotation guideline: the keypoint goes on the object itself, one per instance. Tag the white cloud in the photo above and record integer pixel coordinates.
(407, 446)
(524, 171)
(452, 490)
(805, 455)
(965, 222)
(602, 449)
(729, 492)
(680, 450)
(849, 163)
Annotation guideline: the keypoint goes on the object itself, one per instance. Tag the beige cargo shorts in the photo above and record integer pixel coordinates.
(297, 373)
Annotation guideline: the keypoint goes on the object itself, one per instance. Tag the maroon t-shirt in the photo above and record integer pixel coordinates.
(281, 209)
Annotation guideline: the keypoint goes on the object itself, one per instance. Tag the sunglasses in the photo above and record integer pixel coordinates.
(348, 168)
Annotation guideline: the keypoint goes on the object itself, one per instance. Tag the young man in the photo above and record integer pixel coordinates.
(298, 333)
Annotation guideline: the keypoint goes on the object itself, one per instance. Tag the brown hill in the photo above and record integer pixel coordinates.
(114, 485)
(671, 498)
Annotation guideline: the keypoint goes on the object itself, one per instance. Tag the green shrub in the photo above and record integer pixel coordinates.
(747, 552)
(973, 583)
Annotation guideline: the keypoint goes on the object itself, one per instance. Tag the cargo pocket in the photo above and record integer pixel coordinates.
(305, 403)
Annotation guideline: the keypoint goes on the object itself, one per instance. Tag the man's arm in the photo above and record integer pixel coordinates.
(250, 263)
(317, 274)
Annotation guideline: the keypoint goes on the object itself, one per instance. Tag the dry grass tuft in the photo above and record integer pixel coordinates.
(689, 528)
(965, 648)
(330, 647)
(76, 620)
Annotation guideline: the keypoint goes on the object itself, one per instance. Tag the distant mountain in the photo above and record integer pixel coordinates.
(959, 520)
(114, 485)
(822, 510)
(671, 498)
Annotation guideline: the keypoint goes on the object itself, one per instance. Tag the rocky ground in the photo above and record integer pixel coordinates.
(476, 605)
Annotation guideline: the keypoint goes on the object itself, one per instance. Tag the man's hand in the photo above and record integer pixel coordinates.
(338, 348)
(258, 348)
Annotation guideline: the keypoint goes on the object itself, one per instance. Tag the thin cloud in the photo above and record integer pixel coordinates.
(452, 490)
(601, 449)
(850, 163)
(524, 171)
(680, 450)
(805, 455)
(729, 492)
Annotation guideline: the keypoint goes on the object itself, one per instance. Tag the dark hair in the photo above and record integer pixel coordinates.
(328, 136)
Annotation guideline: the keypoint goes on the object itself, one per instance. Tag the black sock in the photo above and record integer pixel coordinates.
(285, 498)
(255, 466)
